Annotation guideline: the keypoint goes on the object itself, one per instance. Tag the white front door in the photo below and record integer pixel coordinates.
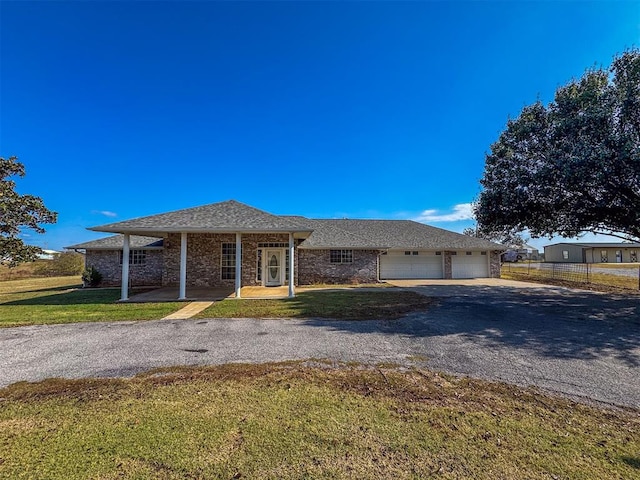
(273, 268)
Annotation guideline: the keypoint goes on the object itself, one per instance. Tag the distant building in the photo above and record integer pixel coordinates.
(530, 252)
(521, 253)
(592, 252)
(47, 254)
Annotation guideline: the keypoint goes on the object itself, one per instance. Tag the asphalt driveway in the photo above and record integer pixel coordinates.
(582, 344)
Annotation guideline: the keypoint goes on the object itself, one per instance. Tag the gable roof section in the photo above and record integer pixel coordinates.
(329, 235)
(389, 234)
(116, 242)
(230, 216)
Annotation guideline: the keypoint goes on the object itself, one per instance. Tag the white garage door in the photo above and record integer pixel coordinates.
(414, 265)
(475, 265)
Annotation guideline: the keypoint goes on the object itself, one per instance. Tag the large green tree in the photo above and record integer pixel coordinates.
(572, 166)
(510, 239)
(16, 213)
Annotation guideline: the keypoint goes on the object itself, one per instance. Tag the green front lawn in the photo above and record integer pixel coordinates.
(291, 421)
(354, 304)
(597, 281)
(61, 300)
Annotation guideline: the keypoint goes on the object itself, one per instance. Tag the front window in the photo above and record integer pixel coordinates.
(228, 261)
(604, 256)
(565, 254)
(136, 257)
(633, 256)
(341, 256)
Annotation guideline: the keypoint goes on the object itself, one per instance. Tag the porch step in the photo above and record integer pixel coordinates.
(189, 311)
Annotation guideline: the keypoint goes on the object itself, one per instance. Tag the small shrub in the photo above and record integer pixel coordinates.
(91, 277)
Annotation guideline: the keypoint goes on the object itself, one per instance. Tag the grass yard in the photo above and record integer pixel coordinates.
(618, 266)
(597, 281)
(22, 271)
(385, 303)
(52, 300)
(60, 300)
(286, 421)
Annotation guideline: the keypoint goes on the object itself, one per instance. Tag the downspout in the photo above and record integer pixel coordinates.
(380, 252)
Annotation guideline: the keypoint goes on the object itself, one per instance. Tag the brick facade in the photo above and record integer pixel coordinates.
(204, 258)
(107, 262)
(494, 264)
(448, 272)
(314, 266)
(204, 263)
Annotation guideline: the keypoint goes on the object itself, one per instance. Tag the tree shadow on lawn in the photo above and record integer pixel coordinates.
(48, 289)
(632, 461)
(556, 323)
(358, 304)
(74, 297)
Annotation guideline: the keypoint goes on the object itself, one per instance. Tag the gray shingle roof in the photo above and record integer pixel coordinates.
(233, 216)
(229, 216)
(116, 242)
(328, 235)
(390, 234)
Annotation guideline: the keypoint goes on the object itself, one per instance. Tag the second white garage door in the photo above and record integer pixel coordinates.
(469, 266)
(396, 265)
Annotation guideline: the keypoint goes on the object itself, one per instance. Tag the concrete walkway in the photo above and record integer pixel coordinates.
(189, 311)
(199, 294)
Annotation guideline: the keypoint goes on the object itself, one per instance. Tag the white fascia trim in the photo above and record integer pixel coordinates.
(146, 231)
(119, 248)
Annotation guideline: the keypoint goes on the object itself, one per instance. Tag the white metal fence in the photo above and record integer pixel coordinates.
(579, 273)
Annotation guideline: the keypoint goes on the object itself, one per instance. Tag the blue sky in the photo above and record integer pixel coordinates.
(323, 109)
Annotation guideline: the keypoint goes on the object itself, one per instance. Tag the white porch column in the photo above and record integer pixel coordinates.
(124, 289)
(183, 266)
(292, 264)
(238, 264)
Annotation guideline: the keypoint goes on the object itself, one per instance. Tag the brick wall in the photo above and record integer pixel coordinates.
(494, 264)
(107, 262)
(314, 266)
(448, 272)
(204, 258)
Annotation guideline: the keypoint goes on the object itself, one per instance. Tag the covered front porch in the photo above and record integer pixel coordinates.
(169, 294)
(226, 244)
(222, 265)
